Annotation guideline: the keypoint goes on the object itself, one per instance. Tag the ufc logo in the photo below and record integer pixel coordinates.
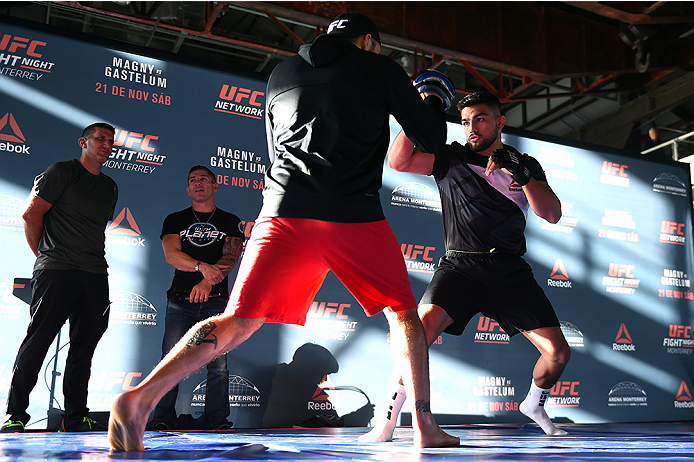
(324, 310)
(671, 227)
(16, 43)
(621, 270)
(680, 331)
(561, 388)
(614, 169)
(413, 251)
(337, 25)
(237, 95)
(129, 139)
(485, 324)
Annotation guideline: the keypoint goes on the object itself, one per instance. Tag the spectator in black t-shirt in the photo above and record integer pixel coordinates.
(65, 222)
(203, 243)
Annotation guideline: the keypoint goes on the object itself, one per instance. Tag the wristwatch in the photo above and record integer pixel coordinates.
(197, 266)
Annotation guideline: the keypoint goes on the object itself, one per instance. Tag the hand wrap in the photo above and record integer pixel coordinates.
(511, 160)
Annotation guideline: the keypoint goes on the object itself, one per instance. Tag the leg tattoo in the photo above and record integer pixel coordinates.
(198, 337)
(422, 406)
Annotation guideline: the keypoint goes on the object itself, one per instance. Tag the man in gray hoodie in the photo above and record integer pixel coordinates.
(328, 133)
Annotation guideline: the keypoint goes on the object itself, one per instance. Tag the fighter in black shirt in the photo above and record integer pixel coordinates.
(486, 188)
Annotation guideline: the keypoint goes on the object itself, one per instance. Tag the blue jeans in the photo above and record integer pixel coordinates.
(180, 317)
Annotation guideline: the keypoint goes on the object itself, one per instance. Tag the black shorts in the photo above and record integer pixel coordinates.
(501, 287)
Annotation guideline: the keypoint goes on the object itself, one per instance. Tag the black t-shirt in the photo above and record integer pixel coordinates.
(480, 212)
(202, 240)
(73, 228)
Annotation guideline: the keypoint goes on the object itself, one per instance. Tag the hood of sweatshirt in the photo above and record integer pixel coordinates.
(325, 49)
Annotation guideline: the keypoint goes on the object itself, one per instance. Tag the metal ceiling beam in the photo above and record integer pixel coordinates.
(602, 130)
(630, 18)
(438, 54)
(401, 24)
(157, 25)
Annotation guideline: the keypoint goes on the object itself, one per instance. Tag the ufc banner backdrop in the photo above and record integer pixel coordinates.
(616, 267)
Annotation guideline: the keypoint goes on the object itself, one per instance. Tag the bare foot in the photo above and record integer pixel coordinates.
(126, 425)
(428, 434)
(376, 435)
(436, 439)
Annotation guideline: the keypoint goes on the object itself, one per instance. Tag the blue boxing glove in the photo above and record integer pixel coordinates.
(436, 82)
(512, 161)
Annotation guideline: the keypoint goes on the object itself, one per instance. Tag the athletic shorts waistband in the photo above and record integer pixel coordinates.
(478, 255)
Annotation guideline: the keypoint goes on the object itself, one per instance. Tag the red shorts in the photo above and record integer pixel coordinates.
(287, 259)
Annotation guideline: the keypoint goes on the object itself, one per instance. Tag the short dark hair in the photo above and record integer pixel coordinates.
(205, 169)
(90, 129)
(481, 97)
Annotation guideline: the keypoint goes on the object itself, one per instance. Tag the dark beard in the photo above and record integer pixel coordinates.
(485, 143)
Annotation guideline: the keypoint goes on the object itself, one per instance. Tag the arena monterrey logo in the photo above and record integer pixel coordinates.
(131, 308)
(415, 195)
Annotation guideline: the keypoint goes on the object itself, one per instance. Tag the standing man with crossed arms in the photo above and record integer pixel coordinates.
(327, 118)
(203, 243)
(486, 188)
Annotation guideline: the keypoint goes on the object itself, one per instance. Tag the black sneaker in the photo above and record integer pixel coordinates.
(87, 425)
(160, 427)
(12, 426)
(225, 425)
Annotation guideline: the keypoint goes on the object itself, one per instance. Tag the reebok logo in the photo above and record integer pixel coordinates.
(240, 101)
(321, 401)
(559, 277)
(622, 341)
(683, 394)
(683, 400)
(17, 136)
(123, 230)
(10, 132)
(623, 335)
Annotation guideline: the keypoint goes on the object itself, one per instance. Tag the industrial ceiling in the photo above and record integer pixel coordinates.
(597, 72)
